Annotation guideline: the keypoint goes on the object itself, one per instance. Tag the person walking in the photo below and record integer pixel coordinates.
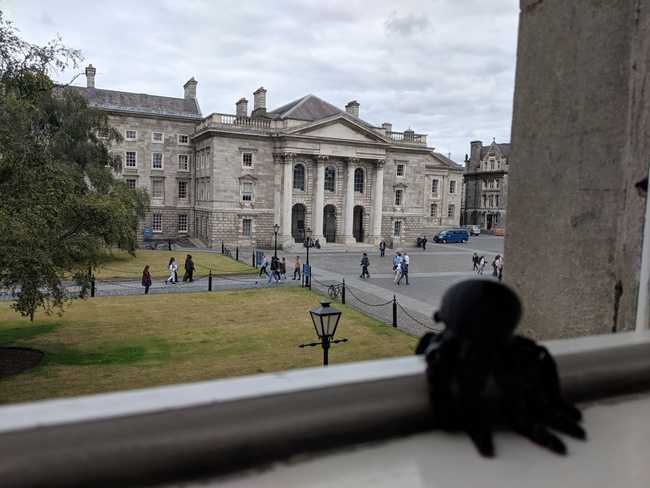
(396, 260)
(498, 261)
(264, 267)
(482, 262)
(406, 261)
(189, 269)
(173, 268)
(398, 269)
(283, 268)
(424, 243)
(146, 279)
(475, 261)
(382, 248)
(365, 262)
(494, 266)
(297, 266)
(275, 270)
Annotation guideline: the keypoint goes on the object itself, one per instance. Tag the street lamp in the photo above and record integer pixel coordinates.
(276, 228)
(325, 319)
(308, 277)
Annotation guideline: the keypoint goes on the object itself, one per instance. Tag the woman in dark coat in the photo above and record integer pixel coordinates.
(146, 279)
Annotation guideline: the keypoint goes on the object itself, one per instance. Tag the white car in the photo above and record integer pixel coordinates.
(473, 230)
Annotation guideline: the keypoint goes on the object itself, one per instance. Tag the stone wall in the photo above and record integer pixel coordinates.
(581, 142)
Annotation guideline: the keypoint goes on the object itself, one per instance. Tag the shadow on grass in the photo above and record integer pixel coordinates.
(25, 332)
(151, 349)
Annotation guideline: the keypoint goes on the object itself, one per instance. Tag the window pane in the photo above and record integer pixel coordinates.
(182, 223)
(398, 197)
(156, 160)
(400, 170)
(247, 227)
(130, 159)
(247, 160)
(182, 189)
(299, 177)
(358, 180)
(157, 189)
(452, 186)
(130, 182)
(397, 230)
(434, 186)
(157, 223)
(330, 179)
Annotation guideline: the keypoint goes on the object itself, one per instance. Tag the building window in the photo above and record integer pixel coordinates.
(452, 186)
(247, 160)
(496, 183)
(330, 179)
(434, 186)
(182, 223)
(103, 133)
(157, 137)
(182, 190)
(247, 191)
(131, 135)
(484, 201)
(299, 177)
(491, 201)
(247, 227)
(358, 180)
(496, 200)
(184, 162)
(400, 169)
(398, 197)
(156, 160)
(157, 189)
(183, 139)
(130, 183)
(397, 228)
(156, 222)
(451, 210)
(434, 210)
(131, 159)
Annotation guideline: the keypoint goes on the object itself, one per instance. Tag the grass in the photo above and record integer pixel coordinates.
(124, 265)
(116, 343)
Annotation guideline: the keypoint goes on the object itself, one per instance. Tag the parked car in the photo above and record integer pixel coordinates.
(452, 235)
(474, 230)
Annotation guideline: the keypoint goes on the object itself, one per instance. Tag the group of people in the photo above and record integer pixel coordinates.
(479, 264)
(401, 264)
(276, 269)
(173, 273)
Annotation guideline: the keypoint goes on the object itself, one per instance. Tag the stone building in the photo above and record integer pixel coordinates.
(486, 185)
(306, 164)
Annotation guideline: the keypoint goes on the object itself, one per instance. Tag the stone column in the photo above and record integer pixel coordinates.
(287, 189)
(318, 199)
(378, 202)
(348, 218)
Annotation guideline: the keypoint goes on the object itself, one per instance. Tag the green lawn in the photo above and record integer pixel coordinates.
(124, 265)
(115, 343)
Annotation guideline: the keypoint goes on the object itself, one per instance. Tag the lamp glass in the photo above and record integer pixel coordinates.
(325, 319)
(308, 232)
(276, 228)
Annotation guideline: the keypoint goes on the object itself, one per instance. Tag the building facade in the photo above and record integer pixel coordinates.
(486, 185)
(307, 164)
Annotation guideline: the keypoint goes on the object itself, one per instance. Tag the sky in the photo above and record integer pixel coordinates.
(444, 68)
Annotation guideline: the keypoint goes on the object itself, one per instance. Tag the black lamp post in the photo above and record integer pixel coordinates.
(276, 228)
(308, 277)
(325, 319)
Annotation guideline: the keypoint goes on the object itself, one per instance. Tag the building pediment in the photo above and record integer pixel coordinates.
(338, 127)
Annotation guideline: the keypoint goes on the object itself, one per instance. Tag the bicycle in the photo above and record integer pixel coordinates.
(334, 291)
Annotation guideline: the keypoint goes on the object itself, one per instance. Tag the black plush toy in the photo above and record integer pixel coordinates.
(481, 374)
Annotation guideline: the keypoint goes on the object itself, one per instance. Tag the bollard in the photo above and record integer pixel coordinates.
(210, 281)
(253, 259)
(92, 287)
(169, 244)
(343, 292)
(222, 248)
(237, 253)
(309, 279)
(394, 311)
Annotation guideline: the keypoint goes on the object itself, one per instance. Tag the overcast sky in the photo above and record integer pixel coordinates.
(440, 67)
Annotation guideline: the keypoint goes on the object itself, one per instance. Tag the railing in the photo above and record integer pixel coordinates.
(230, 120)
(407, 137)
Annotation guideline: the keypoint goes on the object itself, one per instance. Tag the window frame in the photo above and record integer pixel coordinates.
(433, 210)
(162, 137)
(245, 221)
(187, 163)
(154, 217)
(304, 177)
(126, 135)
(331, 179)
(359, 186)
(162, 159)
(178, 188)
(154, 181)
(451, 211)
(178, 139)
(126, 160)
(452, 187)
(128, 182)
(435, 182)
(399, 197)
(243, 160)
(397, 228)
(398, 165)
(244, 193)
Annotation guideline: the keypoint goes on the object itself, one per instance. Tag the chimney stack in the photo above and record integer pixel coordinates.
(242, 107)
(353, 108)
(90, 76)
(259, 102)
(388, 127)
(475, 151)
(190, 88)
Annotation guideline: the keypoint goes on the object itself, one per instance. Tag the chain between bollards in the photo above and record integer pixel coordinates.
(210, 281)
(394, 311)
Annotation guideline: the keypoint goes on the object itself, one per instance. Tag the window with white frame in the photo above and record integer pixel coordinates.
(182, 223)
(130, 183)
(157, 160)
(247, 191)
(184, 162)
(491, 201)
(397, 228)
(156, 222)
(183, 139)
(330, 179)
(130, 135)
(358, 180)
(247, 227)
(247, 160)
(157, 188)
(452, 186)
(399, 171)
(182, 190)
(398, 197)
(299, 177)
(434, 185)
(434, 210)
(451, 210)
(157, 137)
(130, 159)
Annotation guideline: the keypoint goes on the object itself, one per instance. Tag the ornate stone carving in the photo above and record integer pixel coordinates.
(380, 163)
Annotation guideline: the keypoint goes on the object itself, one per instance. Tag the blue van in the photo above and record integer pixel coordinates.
(452, 235)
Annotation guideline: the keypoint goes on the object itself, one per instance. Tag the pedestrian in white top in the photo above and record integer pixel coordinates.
(173, 267)
(398, 271)
(406, 261)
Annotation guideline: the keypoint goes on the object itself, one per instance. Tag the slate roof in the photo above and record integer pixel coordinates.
(447, 161)
(308, 108)
(503, 147)
(140, 103)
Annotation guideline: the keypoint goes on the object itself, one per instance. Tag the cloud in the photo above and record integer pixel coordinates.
(442, 67)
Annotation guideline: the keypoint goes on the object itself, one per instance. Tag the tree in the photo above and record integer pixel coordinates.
(61, 208)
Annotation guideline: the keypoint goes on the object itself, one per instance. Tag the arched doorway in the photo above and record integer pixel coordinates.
(329, 223)
(298, 222)
(357, 223)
